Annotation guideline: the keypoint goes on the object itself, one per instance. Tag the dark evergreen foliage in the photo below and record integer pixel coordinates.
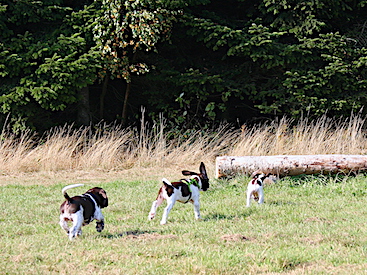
(198, 62)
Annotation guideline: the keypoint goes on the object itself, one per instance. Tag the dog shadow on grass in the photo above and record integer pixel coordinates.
(131, 233)
(219, 216)
(281, 203)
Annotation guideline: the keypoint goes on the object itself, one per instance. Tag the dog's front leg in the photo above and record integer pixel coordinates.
(248, 200)
(197, 209)
(261, 195)
(100, 226)
(100, 219)
(170, 203)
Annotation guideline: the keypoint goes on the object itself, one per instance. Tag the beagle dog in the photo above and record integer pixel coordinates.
(81, 210)
(186, 190)
(255, 188)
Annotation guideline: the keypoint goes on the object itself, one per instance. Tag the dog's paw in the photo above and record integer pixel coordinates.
(151, 216)
(100, 226)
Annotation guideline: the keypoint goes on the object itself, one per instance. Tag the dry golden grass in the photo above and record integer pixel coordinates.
(113, 149)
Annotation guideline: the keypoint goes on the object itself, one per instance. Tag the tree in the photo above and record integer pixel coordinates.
(92, 43)
(44, 61)
(207, 60)
(289, 57)
(122, 29)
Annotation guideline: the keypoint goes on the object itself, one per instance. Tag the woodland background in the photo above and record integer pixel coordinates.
(195, 62)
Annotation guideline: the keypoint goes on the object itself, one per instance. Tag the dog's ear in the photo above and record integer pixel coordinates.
(257, 173)
(103, 193)
(188, 173)
(203, 170)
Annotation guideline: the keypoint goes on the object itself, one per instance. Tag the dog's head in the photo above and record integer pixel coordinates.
(258, 174)
(264, 177)
(101, 196)
(202, 175)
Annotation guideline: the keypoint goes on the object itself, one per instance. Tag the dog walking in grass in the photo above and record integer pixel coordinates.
(185, 190)
(255, 188)
(83, 209)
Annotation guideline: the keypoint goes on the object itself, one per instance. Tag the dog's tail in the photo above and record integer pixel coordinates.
(63, 191)
(166, 182)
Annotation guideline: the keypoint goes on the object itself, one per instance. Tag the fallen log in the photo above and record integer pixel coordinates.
(291, 165)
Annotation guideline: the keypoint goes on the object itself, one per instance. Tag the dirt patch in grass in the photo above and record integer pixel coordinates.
(317, 219)
(234, 238)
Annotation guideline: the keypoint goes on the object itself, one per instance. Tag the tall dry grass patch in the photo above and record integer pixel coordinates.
(115, 148)
(287, 137)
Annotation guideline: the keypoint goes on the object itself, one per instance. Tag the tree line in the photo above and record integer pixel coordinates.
(197, 62)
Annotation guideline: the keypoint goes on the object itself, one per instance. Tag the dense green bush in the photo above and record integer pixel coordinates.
(197, 62)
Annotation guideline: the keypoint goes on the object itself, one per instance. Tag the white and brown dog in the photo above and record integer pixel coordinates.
(81, 210)
(186, 190)
(255, 188)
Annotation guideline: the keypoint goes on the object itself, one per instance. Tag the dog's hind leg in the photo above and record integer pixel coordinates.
(64, 224)
(155, 205)
(76, 230)
(170, 203)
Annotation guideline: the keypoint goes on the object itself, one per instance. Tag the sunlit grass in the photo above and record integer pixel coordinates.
(308, 225)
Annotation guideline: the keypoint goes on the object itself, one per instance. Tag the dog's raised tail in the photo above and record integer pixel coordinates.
(63, 191)
(166, 182)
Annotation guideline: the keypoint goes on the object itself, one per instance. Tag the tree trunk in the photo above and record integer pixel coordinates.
(84, 117)
(291, 165)
(103, 95)
(124, 107)
(127, 94)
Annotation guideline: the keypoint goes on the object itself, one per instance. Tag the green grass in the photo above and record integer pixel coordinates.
(308, 225)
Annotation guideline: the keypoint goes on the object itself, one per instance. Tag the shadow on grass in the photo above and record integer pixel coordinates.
(135, 233)
(281, 203)
(219, 216)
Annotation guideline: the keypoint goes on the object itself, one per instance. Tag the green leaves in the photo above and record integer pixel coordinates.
(196, 61)
(124, 28)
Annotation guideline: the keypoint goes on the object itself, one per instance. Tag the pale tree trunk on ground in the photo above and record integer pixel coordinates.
(291, 165)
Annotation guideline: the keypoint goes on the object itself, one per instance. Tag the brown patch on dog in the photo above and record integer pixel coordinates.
(234, 238)
(185, 190)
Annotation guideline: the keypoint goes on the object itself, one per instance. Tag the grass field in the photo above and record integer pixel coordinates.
(308, 225)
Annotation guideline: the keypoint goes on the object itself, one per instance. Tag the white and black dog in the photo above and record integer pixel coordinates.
(81, 210)
(255, 188)
(186, 190)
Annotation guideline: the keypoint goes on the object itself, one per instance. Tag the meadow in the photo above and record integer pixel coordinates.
(307, 225)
